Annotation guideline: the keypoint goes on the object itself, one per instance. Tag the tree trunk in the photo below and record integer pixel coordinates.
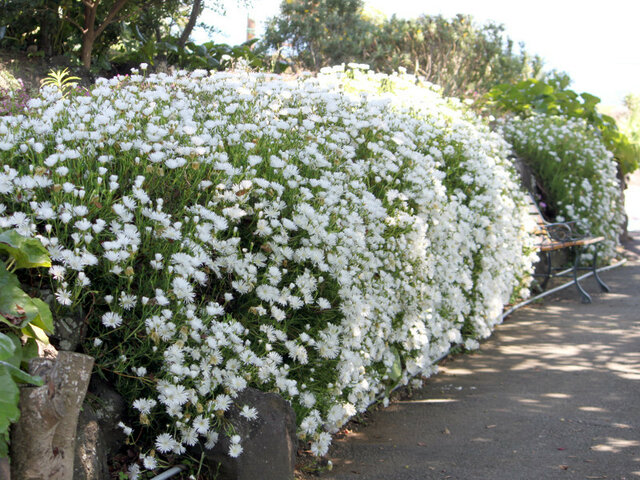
(43, 440)
(88, 34)
(188, 28)
(85, 53)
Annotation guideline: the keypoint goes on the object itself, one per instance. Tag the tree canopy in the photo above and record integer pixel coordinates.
(455, 53)
(87, 29)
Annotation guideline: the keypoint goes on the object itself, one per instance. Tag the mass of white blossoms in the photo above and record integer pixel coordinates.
(315, 237)
(578, 172)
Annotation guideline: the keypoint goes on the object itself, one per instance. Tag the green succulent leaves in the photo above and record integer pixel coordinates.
(21, 315)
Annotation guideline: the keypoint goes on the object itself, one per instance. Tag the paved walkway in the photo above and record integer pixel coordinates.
(553, 394)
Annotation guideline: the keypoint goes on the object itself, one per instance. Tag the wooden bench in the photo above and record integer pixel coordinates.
(560, 235)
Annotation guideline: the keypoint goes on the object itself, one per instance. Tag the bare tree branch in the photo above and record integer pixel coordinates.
(111, 16)
(193, 18)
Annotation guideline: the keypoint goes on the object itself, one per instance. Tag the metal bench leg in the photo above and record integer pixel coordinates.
(586, 298)
(547, 273)
(603, 286)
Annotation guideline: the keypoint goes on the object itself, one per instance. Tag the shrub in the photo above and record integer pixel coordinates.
(530, 97)
(233, 229)
(576, 169)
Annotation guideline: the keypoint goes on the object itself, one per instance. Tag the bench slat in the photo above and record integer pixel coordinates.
(553, 245)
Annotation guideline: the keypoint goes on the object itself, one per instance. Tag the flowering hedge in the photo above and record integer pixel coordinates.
(576, 169)
(234, 230)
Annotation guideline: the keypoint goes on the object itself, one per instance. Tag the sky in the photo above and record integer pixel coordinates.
(596, 43)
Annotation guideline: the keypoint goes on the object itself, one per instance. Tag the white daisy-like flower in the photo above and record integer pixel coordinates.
(127, 301)
(235, 449)
(111, 319)
(201, 424)
(165, 443)
(149, 462)
(182, 289)
(212, 439)
(63, 296)
(58, 272)
(250, 413)
(144, 405)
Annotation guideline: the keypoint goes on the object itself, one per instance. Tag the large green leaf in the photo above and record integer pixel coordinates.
(17, 309)
(44, 320)
(32, 331)
(20, 375)
(9, 396)
(15, 358)
(28, 252)
(7, 347)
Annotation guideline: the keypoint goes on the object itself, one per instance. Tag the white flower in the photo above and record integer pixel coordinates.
(182, 289)
(111, 319)
(127, 301)
(149, 462)
(250, 413)
(189, 436)
(165, 443)
(235, 449)
(212, 439)
(134, 471)
(127, 430)
(201, 424)
(58, 272)
(144, 405)
(214, 309)
(222, 402)
(63, 296)
(174, 395)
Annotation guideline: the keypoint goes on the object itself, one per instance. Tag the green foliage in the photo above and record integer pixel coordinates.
(20, 315)
(138, 49)
(553, 97)
(458, 55)
(56, 27)
(38, 24)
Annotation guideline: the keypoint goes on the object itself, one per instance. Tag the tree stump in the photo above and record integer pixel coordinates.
(43, 440)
